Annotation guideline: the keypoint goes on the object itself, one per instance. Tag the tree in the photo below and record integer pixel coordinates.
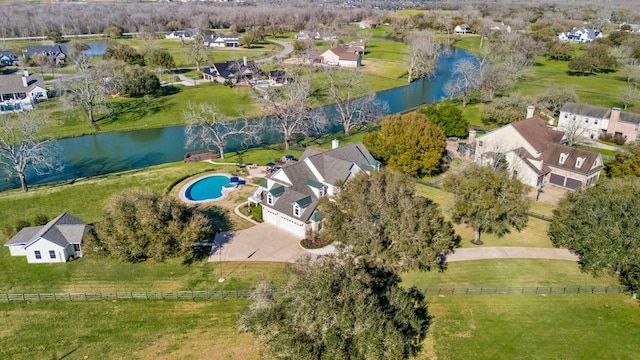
(160, 60)
(464, 78)
(85, 88)
(113, 32)
(423, 55)
(289, 106)
(23, 147)
(252, 36)
(447, 117)
(42, 61)
(137, 81)
(554, 98)
(625, 163)
(574, 131)
(123, 52)
(409, 143)
(206, 126)
(504, 110)
(140, 225)
(601, 225)
(343, 89)
(335, 309)
(628, 95)
(196, 49)
(55, 36)
(378, 218)
(493, 79)
(559, 50)
(489, 201)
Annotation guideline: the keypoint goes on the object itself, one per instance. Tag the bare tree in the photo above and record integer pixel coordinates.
(196, 49)
(423, 55)
(205, 126)
(85, 88)
(22, 146)
(493, 79)
(343, 90)
(42, 61)
(290, 109)
(628, 95)
(574, 130)
(464, 78)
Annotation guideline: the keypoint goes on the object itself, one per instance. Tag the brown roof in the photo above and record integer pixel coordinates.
(536, 133)
(551, 157)
(344, 54)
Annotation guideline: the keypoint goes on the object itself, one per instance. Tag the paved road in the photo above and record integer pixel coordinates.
(288, 49)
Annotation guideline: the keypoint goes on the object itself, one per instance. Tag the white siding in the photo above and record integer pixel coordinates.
(17, 250)
(44, 246)
(501, 141)
(587, 127)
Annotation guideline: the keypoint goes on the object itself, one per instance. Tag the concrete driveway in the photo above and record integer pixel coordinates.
(262, 242)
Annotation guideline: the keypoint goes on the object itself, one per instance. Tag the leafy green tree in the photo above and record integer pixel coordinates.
(138, 82)
(504, 110)
(601, 225)
(487, 200)
(559, 50)
(625, 163)
(160, 60)
(55, 36)
(335, 309)
(447, 117)
(123, 52)
(113, 32)
(379, 218)
(409, 143)
(252, 37)
(140, 225)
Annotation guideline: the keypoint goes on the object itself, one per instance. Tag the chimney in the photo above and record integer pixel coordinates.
(24, 81)
(530, 110)
(613, 120)
(26, 72)
(334, 144)
(244, 60)
(472, 137)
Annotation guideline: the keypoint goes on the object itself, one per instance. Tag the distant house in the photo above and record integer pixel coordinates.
(8, 58)
(292, 192)
(580, 35)
(356, 46)
(18, 92)
(278, 77)
(222, 40)
(239, 72)
(56, 53)
(500, 26)
(57, 241)
(182, 34)
(462, 29)
(536, 156)
(590, 121)
(632, 27)
(341, 56)
(303, 35)
(367, 24)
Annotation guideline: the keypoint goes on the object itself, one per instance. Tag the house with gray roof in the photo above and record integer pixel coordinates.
(18, 92)
(536, 155)
(58, 241)
(589, 121)
(291, 196)
(580, 35)
(222, 40)
(56, 53)
(181, 34)
(235, 71)
(7, 57)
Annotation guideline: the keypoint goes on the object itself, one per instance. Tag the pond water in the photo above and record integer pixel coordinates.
(92, 155)
(96, 48)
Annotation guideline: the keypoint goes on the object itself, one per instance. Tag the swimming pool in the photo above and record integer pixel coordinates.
(207, 188)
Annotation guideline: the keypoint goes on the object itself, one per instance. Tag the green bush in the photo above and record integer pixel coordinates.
(256, 213)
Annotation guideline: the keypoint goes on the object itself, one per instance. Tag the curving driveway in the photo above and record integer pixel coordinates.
(288, 49)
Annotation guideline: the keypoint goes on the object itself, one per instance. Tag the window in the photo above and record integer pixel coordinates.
(296, 210)
(37, 254)
(563, 158)
(76, 247)
(52, 254)
(586, 121)
(480, 143)
(579, 162)
(596, 122)
(269, 199)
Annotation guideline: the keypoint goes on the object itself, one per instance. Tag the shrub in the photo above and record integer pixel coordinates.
(314, 240)
(256, 213)
(40, 219)
(21, 224)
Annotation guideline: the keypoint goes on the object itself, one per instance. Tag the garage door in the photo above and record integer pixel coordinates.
(292, 226)
(573, 183)
(270, 216)
(556, 179)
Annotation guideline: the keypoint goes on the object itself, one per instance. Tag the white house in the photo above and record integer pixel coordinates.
(367, 24)
(588, 121)
(580, 34)
(341, 56)
(292, 192)
(500, 26)
(18, 92)
(462, 29)
(57, 241)
(536, 156)
(183, 35)
(222, 40)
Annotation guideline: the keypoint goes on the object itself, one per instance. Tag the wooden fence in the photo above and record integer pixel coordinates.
(243, 294)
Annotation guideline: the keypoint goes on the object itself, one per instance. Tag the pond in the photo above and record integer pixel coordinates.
(96, 48)
(92, 155)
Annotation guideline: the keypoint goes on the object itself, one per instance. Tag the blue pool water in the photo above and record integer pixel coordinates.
(208, 188)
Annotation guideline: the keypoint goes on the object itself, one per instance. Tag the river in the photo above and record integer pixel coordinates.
(105, 153)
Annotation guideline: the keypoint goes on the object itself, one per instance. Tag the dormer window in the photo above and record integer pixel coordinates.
(296, 210)
(579, 162)
(563, 158)
(269, 199)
